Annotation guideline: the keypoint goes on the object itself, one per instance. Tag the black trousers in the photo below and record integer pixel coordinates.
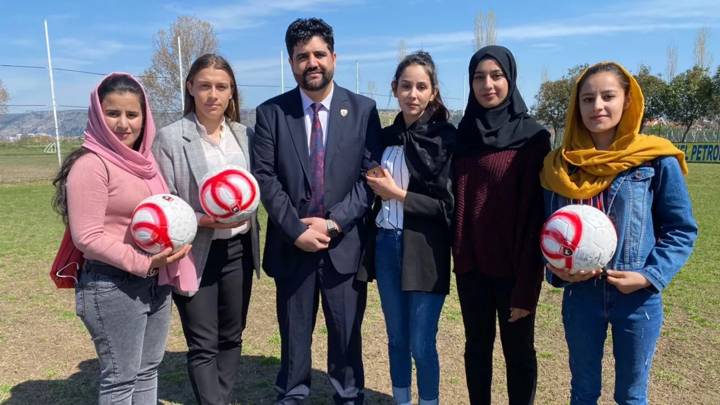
(343, 302)
(482, 299)
(214, 318)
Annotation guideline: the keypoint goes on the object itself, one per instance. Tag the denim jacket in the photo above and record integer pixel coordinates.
(652, 213)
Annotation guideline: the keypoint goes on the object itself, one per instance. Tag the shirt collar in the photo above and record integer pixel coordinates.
(307, 101)
(203, 131)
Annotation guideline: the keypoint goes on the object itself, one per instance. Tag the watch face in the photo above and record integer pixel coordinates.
(332, 229)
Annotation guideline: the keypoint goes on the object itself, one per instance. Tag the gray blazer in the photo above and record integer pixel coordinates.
(179, 154)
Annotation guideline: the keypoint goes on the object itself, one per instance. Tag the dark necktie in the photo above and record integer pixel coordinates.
(317, 165)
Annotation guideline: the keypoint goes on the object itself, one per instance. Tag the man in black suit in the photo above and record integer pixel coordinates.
(311, 149)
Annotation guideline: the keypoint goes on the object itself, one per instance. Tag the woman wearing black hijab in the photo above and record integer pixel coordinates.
(499, 213)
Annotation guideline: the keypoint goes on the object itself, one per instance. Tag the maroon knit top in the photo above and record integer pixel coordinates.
(498, 216)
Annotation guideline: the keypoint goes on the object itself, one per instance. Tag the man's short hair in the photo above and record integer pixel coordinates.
(303, 29)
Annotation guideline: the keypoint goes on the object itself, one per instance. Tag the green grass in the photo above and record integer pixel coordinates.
(46, 355)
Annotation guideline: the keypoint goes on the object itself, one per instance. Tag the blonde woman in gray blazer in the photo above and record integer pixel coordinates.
(207, 137)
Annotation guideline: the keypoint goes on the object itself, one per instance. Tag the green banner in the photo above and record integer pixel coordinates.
(703, 152)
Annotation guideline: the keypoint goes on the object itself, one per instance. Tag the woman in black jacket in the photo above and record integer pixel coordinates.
(410, 256)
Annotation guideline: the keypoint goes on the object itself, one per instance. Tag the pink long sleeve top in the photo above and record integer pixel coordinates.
(100, 205)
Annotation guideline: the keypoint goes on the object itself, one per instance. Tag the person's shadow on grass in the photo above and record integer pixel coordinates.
(254, 385)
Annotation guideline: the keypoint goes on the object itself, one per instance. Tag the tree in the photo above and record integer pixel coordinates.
(402, 51)
(553, 98)
(689, 98)
(715, 112)
(162, 78)
(702, 57)
(654, 90)
(672, 60)
(485, 30)
(3, 98)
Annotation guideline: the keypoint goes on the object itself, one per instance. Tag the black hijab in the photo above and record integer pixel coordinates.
(428, 143)
(507, 126)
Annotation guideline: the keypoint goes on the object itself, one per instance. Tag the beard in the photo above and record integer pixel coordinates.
(305, 83)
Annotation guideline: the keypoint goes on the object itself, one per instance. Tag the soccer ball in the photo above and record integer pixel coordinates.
(162, 221)
(229, 194)
(578, 239)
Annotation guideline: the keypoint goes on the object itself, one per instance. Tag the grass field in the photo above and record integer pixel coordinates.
(46, 356)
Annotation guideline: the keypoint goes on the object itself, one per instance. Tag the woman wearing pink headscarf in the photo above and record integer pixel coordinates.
(122, 294)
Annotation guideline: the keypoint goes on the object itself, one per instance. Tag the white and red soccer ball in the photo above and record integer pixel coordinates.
(163, 221)
(578, 239)
(229, 194)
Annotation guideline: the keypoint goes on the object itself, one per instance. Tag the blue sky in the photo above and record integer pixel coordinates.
(544, 36)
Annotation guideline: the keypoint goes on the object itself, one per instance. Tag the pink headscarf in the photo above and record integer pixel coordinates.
(100, 139)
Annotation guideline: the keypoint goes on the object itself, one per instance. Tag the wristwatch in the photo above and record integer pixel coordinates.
(332, 228)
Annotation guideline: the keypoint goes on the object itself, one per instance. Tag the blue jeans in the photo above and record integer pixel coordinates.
(411, 318)
(588, 307)
(128, 318)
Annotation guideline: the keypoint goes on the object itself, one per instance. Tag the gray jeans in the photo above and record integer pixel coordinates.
(128, 318)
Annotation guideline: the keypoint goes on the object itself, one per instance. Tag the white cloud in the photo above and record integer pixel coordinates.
(646, 16)
(253, 13)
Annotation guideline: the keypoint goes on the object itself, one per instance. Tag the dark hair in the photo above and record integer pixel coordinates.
(112, 84)
(216, 61)
(605, 67)
(303, 29)
(59, 200)
(422, 58)
(124, 84)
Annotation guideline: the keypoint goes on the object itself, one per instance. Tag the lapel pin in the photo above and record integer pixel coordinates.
(343, 112)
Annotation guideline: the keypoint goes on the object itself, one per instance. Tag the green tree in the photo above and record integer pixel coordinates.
(3, 98)
(689, 98)
(716, 96)
(654, 89)
(162, 78)
(553, 98)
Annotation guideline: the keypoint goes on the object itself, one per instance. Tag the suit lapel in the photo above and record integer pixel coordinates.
(194, 153)
(338, 120)
(296, 124)
(241, 138)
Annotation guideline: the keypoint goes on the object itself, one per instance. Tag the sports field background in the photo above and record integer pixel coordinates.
(46, 356)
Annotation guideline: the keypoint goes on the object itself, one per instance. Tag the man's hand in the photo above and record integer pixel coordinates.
(312, 240)
(317, 224)
(573, 278)
(209, 222)
(627, 281)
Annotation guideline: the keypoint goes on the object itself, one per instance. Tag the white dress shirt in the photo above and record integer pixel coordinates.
(324, 113)
(220, 153)
(391, 212)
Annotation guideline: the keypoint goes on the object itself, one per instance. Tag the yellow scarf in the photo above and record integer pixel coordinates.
(598, 168)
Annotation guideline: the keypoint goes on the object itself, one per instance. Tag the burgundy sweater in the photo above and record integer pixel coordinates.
(498, 216)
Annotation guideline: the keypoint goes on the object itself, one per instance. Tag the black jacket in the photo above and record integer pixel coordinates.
(282, 168)
(428, 207)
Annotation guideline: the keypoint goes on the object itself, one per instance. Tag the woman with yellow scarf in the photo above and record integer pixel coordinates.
(638, 181)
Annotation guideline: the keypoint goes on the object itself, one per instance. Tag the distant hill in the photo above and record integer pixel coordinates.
(72, 122)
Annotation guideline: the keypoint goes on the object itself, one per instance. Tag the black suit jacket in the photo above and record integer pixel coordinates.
(281, 164)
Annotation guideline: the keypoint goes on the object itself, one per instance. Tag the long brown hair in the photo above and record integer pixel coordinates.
(216, 61)
(422, 58)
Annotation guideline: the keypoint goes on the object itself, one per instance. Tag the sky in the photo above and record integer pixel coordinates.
(547, 39)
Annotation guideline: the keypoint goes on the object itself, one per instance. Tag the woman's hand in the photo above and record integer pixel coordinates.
(166, 257)
(627, 281)
(517, 313)
(385, 187)
(573, 278)
(207, 221)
